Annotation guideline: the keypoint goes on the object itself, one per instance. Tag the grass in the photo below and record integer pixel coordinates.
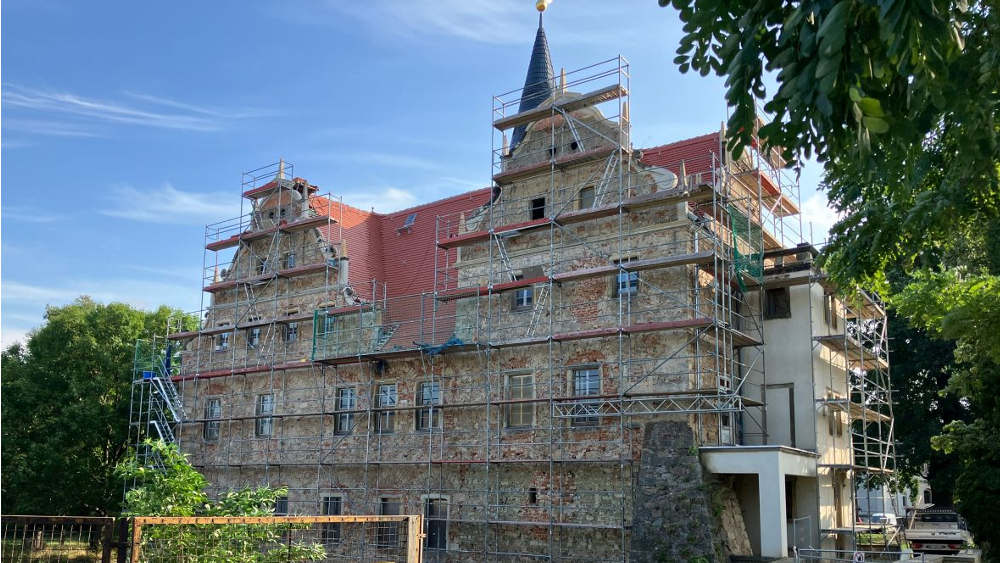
(50, 551)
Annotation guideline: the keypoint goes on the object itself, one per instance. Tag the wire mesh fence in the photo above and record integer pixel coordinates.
(57, 539)
(855, 556)
(288, 539)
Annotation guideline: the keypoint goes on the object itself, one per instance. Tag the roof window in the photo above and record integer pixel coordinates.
(410, 220)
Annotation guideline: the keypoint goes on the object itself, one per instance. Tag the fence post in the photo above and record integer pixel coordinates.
(136, 540)
(414, 539)
(107, 535)
(122, 540)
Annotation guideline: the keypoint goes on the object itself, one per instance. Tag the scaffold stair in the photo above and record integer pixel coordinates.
(385, 335)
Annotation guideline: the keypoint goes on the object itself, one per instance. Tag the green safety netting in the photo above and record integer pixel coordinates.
(748, 246)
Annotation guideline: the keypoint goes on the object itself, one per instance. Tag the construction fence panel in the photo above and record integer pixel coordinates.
(855, 556)
(59, 539)
(280, 539)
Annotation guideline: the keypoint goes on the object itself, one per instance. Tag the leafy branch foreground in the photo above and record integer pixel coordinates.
(178, 490)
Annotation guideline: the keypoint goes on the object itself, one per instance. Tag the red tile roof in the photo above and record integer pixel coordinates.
(696, 153)
(380, 249)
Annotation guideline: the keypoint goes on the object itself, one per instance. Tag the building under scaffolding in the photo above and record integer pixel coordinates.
(567, 365)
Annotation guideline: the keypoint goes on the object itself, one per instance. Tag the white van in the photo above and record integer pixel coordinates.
(936, 530)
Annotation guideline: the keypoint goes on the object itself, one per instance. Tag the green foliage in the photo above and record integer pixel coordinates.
(898, 98)
(178, 490)
(66, 400)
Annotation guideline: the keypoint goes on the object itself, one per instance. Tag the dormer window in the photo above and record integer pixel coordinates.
(408, 223)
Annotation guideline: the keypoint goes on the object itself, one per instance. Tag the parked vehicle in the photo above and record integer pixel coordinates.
(936, 530)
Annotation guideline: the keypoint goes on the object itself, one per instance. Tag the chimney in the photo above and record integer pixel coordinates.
(342, 277)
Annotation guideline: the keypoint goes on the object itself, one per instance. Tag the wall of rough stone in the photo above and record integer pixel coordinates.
(683, 514)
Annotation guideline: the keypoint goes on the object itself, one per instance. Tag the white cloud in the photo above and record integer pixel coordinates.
(10, 335)
(83, 113)
(29, 215)
(487, 21)
(168, 205)
(383, 200)
(817, 218)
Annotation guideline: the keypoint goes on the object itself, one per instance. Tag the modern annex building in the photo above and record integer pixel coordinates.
(610, 354)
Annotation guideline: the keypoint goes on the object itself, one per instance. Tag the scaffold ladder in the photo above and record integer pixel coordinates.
(536, 313)
(602, 186)
(504, 258)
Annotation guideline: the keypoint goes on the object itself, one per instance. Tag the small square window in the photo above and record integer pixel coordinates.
(292, 332)
(538, 208)
(290, 260)
(281, 506)
(626, 283)
(222, 342)
(523, 298)
(261, 266)
(777, 304)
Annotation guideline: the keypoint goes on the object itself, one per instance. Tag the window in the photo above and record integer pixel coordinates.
(253, 337)
(347, 401)
(385, 422)
(331, 530)
(436, 523)
(626, 283)
(388, 532)
(428, 394)
(222, 342)
(586, 383)
(523, 298)
(290, 260)
(522, 386)
(538, 208)
(281, 506)
(261, 266)
(532, 495)
(292, 332)
(213, 412)
(830, 311)
(777, 304)
(329, 324)
(586, 198)
(265, 407)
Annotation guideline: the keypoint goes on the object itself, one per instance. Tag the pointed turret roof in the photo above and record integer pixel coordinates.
(539, 84)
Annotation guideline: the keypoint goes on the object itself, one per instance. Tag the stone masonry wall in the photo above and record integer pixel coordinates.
(682, 514)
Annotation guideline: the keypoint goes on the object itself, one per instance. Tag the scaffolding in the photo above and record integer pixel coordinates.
(588, 294)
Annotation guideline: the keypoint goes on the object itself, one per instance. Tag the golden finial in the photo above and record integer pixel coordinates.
(542, 4)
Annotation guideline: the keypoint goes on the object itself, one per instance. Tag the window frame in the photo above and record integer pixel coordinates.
(222, 344)
(281, 506)
(588, 419)
(429, 419)
(265, 405)
(536, 212)
(441, 535)
(523, 298)
(385, 420)
(621, 275)
(292, 332)
(330, 532)
(344, 421)
(253, 337)
(213, 419)
(289, 261)
(580, 197)
(387, 533)
(520, 409)
(772, 308)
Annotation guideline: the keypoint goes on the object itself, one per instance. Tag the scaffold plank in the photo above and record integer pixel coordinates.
(700, 258)
(599, 96)
(519, 173)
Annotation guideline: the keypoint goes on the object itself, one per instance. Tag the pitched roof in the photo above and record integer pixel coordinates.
(538, 83)
(381, 249)
(696, 153)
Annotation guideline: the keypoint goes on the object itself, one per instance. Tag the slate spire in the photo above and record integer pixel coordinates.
(539, 84)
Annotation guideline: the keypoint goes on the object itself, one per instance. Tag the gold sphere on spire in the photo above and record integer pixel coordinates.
(542, 4)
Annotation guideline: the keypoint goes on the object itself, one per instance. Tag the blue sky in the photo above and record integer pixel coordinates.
(126, 125)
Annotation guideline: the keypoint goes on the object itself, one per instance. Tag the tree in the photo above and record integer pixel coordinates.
(900, 101)
(66, 408)
(178, 490)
